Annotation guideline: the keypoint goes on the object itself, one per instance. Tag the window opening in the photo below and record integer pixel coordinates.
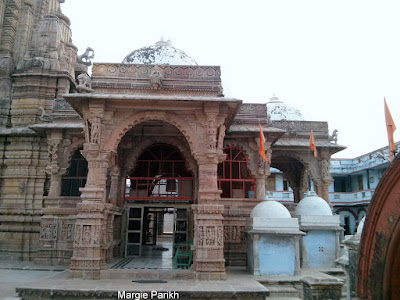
(234, 177)
(75, 177)
(160, 174)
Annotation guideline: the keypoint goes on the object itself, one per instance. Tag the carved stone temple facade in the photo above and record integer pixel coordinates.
(84, 160)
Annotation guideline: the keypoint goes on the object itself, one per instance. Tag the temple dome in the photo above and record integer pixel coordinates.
(162, 53)
(278, 111)
(312, 205)
(269, 208)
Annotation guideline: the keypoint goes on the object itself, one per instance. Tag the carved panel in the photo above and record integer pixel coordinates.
(48, 230)
(234, 234)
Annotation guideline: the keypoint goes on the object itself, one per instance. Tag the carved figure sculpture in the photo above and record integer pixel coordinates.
(221, 136)
(95, 131)
(334, 137)
(156, 77)
(84, 84)
(86, 57)
(45, 117)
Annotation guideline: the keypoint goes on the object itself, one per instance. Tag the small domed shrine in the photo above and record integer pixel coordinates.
(273, 240)
(320, 245)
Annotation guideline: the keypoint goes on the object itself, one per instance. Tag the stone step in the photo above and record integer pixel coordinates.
(283, 298)
(50, 293)
(282, 291)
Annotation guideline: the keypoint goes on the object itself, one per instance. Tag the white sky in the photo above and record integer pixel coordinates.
(333, 60)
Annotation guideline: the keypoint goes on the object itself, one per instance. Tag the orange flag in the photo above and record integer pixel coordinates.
(261, 151)
(312, 143)
(391, 128)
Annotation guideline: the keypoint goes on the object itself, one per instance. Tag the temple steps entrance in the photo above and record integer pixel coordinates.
(154, 234)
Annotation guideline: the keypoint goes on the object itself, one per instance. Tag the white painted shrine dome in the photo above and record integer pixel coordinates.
(269, 208)
(360, 226)
(162, 53)
(278, 111)
(312, 205)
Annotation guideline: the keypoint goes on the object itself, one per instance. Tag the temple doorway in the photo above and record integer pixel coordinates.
(158, 195)
(153, 230)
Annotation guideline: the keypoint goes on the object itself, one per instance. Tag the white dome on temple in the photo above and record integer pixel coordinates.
(162, 53)
(278, 111)
(312, 205)
(269, 208)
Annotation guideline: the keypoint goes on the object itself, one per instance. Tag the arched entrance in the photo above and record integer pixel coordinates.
(158, 194)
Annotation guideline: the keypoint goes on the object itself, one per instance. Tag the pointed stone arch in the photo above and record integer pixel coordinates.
(134, 119)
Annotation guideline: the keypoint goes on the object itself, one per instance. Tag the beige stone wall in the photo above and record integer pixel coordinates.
(21, 195)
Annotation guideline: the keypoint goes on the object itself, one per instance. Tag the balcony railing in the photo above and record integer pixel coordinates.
(351, 198)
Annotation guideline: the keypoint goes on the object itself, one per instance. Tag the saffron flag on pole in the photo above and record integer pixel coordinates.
(261, 151)
(312, 143)
(391, 128)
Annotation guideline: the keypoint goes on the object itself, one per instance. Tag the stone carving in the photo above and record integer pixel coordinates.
(86, 235)
(48, 118)
(96, 235)
(200, 236)
(221, 135)
(78, 234)
(210, 236)
(92, 129)
(86, 57)
(84, 83)
(334, 136)
(325, 169)
(220, 236)
(48, 230)
(211, 134)
(234, 234)
(156, 77)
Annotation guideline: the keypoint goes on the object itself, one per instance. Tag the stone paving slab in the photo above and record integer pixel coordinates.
(239, 285)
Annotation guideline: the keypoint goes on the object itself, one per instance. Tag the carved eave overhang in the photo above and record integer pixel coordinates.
(21, 131)
(76, 127)
(156, 102)
(157, 79)
(304, 144)
(253, 130)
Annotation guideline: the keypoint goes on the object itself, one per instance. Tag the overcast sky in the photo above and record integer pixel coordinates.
(333, 60)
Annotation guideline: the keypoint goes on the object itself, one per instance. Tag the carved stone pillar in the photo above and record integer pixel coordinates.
(115, 176)
(322, 185)
(322, 189)
(209, 262)
(53, 166)
(89, 241)
(260, 186)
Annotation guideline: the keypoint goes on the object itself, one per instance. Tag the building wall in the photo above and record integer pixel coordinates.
(276, 255)
(321, 248)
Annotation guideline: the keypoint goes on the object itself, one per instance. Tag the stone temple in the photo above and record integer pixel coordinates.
(101, 167)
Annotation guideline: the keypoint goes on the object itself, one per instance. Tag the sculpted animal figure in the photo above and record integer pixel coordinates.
(86, 57)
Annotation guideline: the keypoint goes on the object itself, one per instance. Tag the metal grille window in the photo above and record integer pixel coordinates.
(160, 174)
(76, 176)
(234, 177)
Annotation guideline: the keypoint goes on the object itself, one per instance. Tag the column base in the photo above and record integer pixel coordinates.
(210, 275)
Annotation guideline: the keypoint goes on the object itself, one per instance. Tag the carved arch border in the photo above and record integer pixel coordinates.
(252, 164)
(68, 153)
(311, 164)
(136, 118)
(145, 143)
